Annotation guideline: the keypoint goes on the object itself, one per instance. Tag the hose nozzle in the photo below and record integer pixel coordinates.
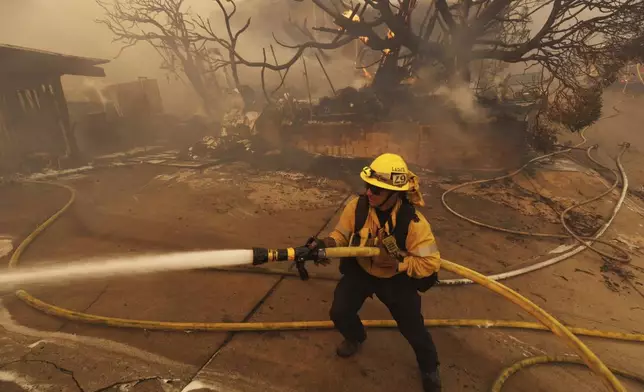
(264, 255)
(298, 255)
(302, 254)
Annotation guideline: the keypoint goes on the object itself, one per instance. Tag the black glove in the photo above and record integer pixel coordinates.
(314, 244)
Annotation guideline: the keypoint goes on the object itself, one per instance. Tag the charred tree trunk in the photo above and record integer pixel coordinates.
(197, 80)
(389, 75)
(233, 69)
(462, 72)
(461, 56)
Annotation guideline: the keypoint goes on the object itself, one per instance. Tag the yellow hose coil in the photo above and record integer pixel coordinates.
(593, 362)
(15, 257)
(547, 320)
(511, 370)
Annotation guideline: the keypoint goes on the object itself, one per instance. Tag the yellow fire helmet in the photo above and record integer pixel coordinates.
(390, 171)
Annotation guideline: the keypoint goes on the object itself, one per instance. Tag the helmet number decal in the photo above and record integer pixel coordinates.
(398, 179)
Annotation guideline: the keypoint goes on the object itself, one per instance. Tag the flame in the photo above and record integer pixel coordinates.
(390, 35)
(355, 18)
(347, 14)
(367, 74)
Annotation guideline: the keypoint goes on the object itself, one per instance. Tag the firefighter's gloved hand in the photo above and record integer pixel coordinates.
(315, 244)
(384, 260)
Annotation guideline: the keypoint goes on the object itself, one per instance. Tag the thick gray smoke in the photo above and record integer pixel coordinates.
(69, 26)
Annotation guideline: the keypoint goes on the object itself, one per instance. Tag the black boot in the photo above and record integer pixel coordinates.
(347, 348)
(432, 381)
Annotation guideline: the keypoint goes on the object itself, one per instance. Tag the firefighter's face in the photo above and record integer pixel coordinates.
(376, 195)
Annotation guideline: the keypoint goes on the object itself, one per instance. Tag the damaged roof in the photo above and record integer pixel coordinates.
(20, 60)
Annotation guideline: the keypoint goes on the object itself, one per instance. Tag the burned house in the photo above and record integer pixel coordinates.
(116, 117)
(135, 99)
(34, 119)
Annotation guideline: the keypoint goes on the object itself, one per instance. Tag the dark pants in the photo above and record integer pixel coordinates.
(401, 298)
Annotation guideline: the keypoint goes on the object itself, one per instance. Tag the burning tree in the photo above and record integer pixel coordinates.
(579, 44)
(574, 41)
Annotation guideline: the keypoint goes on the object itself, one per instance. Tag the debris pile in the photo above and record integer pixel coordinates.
(235, 122)
(216, 147)
(235, 137)
(350, 105)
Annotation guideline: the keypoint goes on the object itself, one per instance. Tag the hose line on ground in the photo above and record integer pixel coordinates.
(562, 216)
(587, 240)
(72, 315)
(581, 239)
(556, 259)
(547, 320)
(566, 360)
(553, 324)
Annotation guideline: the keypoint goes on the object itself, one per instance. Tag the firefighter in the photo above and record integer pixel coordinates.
(385, 216)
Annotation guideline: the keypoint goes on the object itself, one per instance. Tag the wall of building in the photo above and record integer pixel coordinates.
(446, 146)
(136, 99)
(33, 116)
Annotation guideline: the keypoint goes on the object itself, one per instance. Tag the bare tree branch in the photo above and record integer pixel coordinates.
(165, 26)
(230, 44)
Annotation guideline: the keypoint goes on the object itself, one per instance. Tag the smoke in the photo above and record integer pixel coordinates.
(283, 20)
(460, 95)
(463, 99)
(69, 27)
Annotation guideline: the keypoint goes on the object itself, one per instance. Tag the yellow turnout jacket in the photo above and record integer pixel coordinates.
(423, 257)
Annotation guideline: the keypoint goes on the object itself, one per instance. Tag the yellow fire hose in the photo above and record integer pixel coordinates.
(511, 370)
(549, 322)
(300, 325)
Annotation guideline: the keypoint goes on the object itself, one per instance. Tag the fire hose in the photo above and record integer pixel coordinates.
(513, 369)
(302, 254)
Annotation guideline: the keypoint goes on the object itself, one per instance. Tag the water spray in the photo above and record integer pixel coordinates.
(58, 273)
(53, 274)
